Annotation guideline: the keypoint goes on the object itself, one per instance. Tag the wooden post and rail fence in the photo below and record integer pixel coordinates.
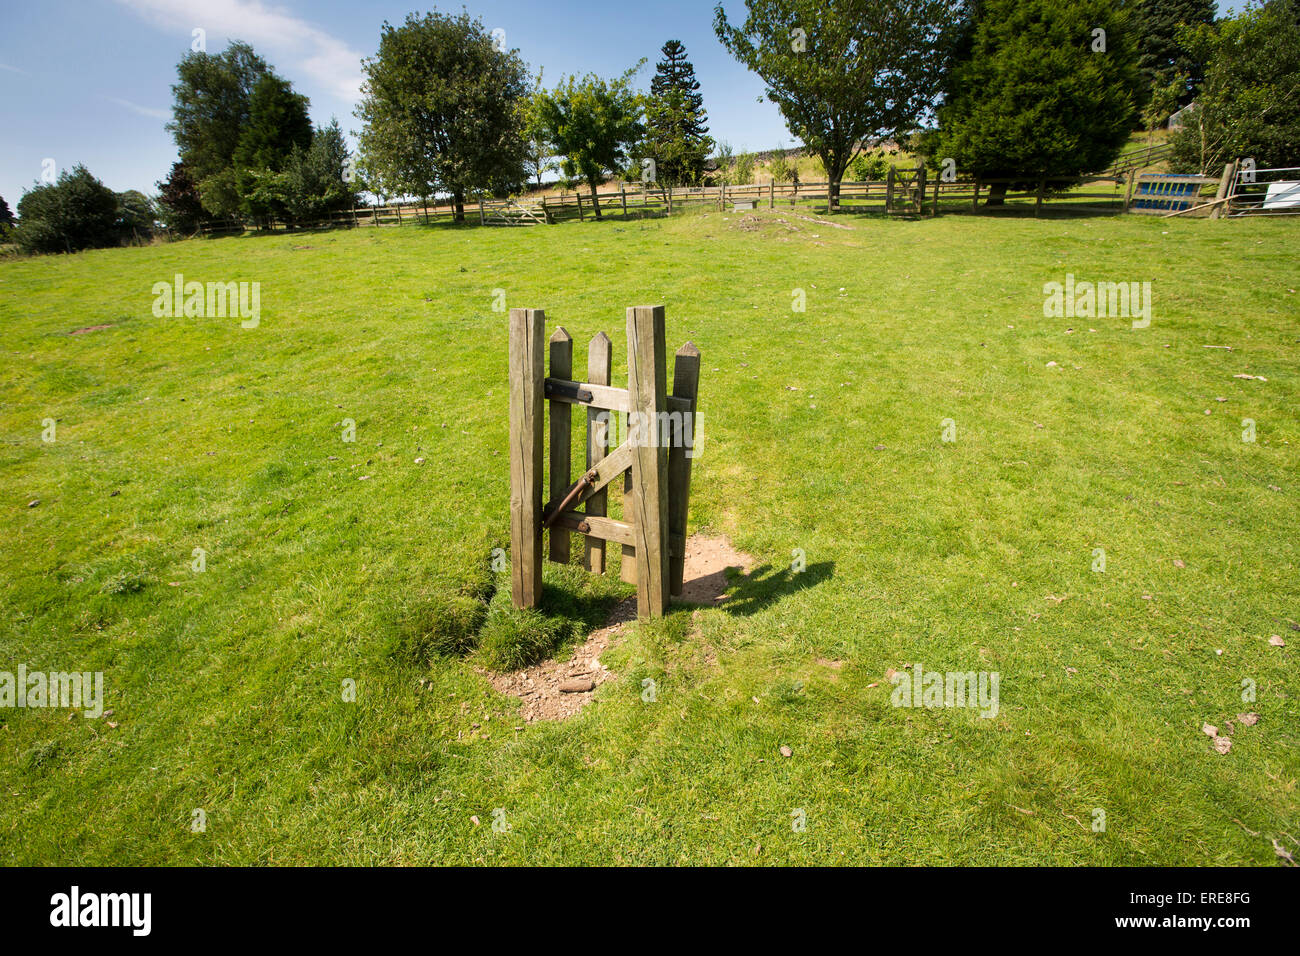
(906, 191)
(656, 455)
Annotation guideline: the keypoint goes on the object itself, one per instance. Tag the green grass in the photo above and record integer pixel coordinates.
(225, 685)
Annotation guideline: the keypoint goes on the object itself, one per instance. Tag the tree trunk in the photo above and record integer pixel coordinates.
(595, 200)
(458, 201)
(997, 194)
(833, 195)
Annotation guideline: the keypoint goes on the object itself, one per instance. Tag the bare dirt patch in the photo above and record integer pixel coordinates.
(90, 328)
(554, 690)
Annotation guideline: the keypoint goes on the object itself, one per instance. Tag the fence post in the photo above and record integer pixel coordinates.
(648, 393)
(482, 217)
(975, 197)
(686, 384)
(1038, 200)
(622, 195)
(399, 213)
(527, 396)
(771, 193)
(581, 216)
(889, 190)
(561, 420)
(936, 194)
(1224, 190)
(1128, 193)
(599, 354)
(920, 187)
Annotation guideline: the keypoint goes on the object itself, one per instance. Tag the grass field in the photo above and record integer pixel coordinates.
(822, 433)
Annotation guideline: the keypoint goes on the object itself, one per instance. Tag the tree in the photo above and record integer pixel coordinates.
(6, 219)
(179, 203)
(594, 124)
(211, 107)
(1162, 56)
(1249, 105)
(314, 183)
(677, 132)
(537, 161)
(442, 110)
(278, 124)
(135, 216)
(843, 71)
(1041, 92)
(77, 212)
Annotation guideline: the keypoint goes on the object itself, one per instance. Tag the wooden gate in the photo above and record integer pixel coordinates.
(661, 441)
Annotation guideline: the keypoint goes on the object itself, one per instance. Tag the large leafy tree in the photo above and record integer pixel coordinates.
(677, 131)
(212, 102)
(1036, 96)
(442, 109)
(594, 124)
(1162, 55)
(278, 123)
(1249, 105)
(6, 219)
(179, 202)
(76, 212)
(844, 71)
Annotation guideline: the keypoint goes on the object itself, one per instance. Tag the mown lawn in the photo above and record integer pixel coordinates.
(822, 433)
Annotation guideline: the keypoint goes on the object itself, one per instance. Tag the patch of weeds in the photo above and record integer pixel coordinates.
(40, 758)
(787, 693)
(125, 582)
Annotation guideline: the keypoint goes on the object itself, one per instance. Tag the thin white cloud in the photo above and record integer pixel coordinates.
(291, 43)
(142, 110)
(13, 69)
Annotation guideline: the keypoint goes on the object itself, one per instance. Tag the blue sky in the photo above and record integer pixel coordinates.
(89, 81)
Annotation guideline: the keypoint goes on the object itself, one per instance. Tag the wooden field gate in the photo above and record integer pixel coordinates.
(662, 437)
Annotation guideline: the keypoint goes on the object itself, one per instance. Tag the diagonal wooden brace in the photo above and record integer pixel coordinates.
(605, 471)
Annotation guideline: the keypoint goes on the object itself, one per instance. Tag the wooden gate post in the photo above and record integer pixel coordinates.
(686, 385)
(561, 424)
(1224, 190)
(599, 354)
(889, 189)
(648, 395)
(527, 396)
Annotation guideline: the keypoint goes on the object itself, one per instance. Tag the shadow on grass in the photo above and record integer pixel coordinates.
(763, 586)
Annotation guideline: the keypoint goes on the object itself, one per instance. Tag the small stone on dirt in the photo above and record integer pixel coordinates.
(1248, 720)
(1222, 744)
(577, 686)
(786, 751)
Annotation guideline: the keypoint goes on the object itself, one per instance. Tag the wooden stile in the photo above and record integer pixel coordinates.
(655, 459)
